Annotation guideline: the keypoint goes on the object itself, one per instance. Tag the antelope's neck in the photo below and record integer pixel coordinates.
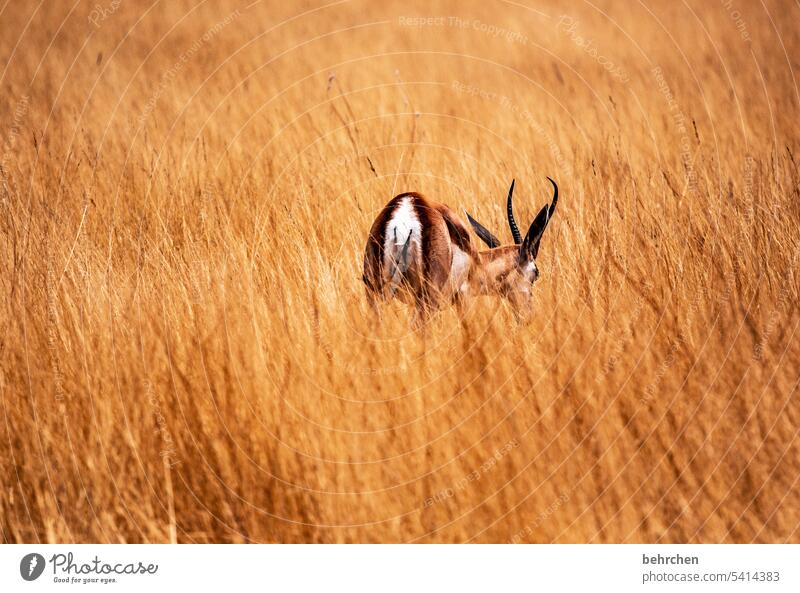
(491, 267)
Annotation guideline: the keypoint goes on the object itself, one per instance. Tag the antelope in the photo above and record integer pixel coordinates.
(420, 252)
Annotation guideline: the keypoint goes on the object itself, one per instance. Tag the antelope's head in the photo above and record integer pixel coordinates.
(511, 270)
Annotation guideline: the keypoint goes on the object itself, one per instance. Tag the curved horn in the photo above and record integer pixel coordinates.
(511, 222)
(552, 207)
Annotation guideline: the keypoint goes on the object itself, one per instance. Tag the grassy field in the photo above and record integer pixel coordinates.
(186, 353)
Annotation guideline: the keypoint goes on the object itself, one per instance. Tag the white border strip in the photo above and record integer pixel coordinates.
(403, 568)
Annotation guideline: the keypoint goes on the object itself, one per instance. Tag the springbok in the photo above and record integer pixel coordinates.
(420, 252)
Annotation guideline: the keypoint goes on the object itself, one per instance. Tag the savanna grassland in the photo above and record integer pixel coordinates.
(186, 353)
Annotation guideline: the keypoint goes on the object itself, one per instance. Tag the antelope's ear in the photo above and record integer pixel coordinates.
(482, 232)
(530, 246)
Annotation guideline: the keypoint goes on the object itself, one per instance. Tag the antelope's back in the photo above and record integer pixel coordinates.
(417, 234)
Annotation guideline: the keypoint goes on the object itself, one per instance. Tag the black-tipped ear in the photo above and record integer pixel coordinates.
(530, 246)
(483, 233)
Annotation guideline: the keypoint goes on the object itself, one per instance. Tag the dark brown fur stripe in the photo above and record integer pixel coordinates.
(423, 213)
(374, 260)
(458, 234)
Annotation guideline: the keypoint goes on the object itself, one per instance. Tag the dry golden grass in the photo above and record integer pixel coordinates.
(186, 351)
